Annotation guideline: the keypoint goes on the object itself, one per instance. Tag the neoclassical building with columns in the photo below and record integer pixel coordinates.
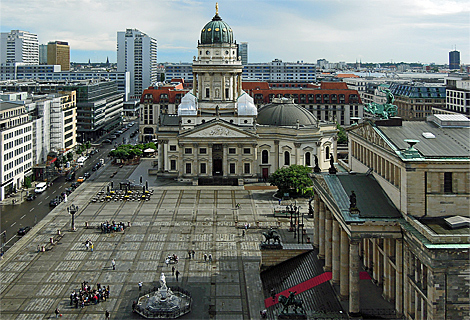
(410, 225)
(217, 134)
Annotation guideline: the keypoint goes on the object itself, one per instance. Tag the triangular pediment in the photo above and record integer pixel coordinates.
(371, 134)
(217, 130)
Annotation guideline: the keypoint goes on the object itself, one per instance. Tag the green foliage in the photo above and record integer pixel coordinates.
(150, 145)
(342, 136)
(126, 151)
(292, 179)
(69, 156)
(27, 182)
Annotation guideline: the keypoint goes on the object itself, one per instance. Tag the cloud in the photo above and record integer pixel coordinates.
(345, 30)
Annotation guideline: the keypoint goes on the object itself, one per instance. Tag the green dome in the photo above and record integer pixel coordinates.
(216, 31)
(284, 112)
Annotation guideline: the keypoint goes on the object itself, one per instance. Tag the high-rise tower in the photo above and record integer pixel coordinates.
(243, 52)
(137, 54)
(58, 52)
(19, 46)
(454, 60)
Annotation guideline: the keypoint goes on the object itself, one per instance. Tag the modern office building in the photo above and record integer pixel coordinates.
(16, 74)
(19, 46)
(43, 54)
(58, 53)
(137, 54)
(454, 60)
(243, 52)
(458, 94)
(401, 214)
(15, 146)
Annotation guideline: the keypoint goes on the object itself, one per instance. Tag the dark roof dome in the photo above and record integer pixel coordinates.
(284, 112)
(216, 31)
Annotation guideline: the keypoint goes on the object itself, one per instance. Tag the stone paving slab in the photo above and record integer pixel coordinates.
(175, 220)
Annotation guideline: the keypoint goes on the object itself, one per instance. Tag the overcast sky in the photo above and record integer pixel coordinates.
(335, 30)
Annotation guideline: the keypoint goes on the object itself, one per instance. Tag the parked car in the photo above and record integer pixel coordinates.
(23, 231)
(80, 179)
(31, 197)
(54, 202)
(86, 175)
(107, 141)
(74, 185)
(113, 136)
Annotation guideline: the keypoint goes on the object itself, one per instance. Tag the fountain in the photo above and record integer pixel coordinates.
(165, 302)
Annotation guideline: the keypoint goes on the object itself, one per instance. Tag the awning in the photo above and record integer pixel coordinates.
(149, 150)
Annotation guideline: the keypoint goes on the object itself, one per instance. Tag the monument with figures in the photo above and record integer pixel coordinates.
(386, 110)
(297, 312)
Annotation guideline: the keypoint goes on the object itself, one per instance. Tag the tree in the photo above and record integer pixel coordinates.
(342, 136)
(292, 179)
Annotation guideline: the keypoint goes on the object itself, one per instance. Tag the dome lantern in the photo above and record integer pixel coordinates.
(216, 30)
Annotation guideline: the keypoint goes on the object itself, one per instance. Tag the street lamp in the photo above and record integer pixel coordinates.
(73, 209)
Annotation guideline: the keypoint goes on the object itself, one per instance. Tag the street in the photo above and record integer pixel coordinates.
(28, 213)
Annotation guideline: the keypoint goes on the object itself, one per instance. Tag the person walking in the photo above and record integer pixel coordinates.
(140, 286)
(243, 233)
(107, 314)
(205, 257)
(177, 273)
(91, 246)
(113, 263)
(57, 312)
(173, 270)
(210, 257)
(193, 253)
(189, 254)
(273, 294)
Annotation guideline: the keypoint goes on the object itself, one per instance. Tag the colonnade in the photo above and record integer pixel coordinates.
(342, 251)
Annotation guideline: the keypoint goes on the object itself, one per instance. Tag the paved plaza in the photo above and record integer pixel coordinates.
(176, 219)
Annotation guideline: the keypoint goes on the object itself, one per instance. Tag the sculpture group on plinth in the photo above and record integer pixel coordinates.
(386, 110)
(271, 240)
(297, 312)
(332, 169)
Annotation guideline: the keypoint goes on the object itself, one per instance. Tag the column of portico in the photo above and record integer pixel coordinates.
(225, 160)
(194, 84)
(160, 156)
(239, 160)
(209, 160)
(276, 159)
(297, 153)
(166, 160)
(180, 158)
(406, 288)
(399, 276)
(239, 89)
(316, 219)
(223, 93)
(328, 239)
(234, 87)
(344, 266)
(336, 252)
(354, 267)
(321, 234)
(196, 162)
(365, 256)
(386, 264)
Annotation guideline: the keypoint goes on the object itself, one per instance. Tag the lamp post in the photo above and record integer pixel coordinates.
(73, 209)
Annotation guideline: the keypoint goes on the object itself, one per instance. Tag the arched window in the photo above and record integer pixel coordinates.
(287, 158)
(207, 93)
(148, 130)
(264, 156)
(327, 150)
(307, 159)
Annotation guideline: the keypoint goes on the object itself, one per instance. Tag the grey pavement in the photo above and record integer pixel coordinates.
(176, 219)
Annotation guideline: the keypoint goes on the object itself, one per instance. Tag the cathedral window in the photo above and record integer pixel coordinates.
(327, 151)
(247, 168)
(246, 150)
(232, 168)
(188, 150)
(264, 156)
(203, 168)
(232, 150)
(202, 150)
(207, 92)
(307, 159)
(448, 182)
(172, 164)
(188, 168)
(172, 147)
(287, 158)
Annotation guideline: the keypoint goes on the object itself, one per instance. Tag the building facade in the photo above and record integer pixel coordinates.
(243, 52)
(58, 52)
(458, 94)
(19, 46)
(454, 60)
(15, 147)
(216, 134)
(137, 54)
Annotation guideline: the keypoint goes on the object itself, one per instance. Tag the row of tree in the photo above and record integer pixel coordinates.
(129, 151)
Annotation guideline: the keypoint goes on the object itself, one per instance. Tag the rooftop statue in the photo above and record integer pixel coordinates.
(385, 110)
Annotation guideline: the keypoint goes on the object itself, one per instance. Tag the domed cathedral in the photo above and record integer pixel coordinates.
(218, 136)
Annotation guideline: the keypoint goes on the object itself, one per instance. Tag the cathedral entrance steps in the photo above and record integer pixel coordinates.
(273, 257)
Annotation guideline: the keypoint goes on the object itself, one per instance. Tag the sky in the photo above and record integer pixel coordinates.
(305, 30)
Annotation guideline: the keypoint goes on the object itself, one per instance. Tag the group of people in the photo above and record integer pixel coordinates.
(171, 259)
(89, 245)
(107, 227)
(87, 295)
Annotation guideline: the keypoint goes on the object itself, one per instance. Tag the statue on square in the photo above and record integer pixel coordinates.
(291, 301)
(386, 110)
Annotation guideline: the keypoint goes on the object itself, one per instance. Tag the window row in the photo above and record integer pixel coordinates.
(203, 167)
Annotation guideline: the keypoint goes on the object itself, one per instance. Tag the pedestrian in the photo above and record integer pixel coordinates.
(246, 226)
(91, 246)
(134, 304)
(177, 273)
(87, 245)
(210, 257)
(107, 314)
(279, 201)
(243, 232)
(140, 286)
(173, 270)
(273, 294)
(189, 254)
(57, 312)
(39, 248)
(193, 253)
(264, 313)
(113, 264)
(205, 257)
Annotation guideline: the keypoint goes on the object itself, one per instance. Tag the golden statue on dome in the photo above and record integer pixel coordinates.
(216, 8)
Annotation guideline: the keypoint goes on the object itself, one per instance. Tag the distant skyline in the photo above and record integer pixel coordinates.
(336, 30)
